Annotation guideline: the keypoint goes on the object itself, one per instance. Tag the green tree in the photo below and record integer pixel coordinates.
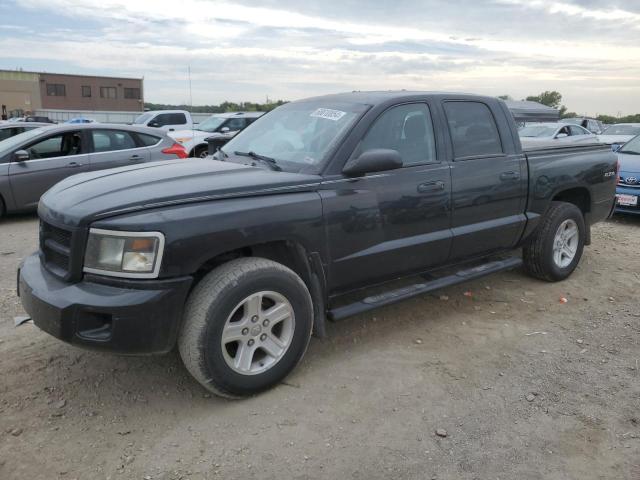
(548, 98)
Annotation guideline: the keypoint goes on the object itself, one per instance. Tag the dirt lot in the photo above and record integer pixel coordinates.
(525, 386)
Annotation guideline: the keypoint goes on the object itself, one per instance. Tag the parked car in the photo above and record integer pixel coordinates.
(237, 261)
(34, 161)
(222, 126)
(628, 189)
(79, 120)
(169, 120)
(38, 119)
(8, 130)
(619, 134)
(540, 134)
(591, 124)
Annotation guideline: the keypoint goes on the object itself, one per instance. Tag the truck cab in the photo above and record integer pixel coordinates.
(169, 120)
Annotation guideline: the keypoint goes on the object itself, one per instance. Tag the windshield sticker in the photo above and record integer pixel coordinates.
(329, 114)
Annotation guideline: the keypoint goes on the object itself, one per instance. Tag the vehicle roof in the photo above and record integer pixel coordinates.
(238, 114)
(23, 124)
(63, 127)
(375, 97)
(627, 124)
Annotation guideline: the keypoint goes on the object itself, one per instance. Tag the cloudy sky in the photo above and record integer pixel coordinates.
(287, 49)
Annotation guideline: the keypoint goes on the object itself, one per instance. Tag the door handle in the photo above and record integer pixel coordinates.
(74, 164)
(430, 186)
(509, 176)
(134, 157)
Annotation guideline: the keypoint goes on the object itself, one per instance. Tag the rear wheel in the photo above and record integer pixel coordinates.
(556, 248)
(247, 324)
(200, 152)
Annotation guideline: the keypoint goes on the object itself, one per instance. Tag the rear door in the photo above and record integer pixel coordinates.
(115, 148)
(488, 180)
(52, 159)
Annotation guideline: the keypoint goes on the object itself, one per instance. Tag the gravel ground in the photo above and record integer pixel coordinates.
(496, 379)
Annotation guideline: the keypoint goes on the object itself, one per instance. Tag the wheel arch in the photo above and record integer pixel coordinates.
(581, 198)
(292, 254)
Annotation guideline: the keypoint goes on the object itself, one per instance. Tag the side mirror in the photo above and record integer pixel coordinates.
(615, 147)
(376, 160)
(562, 135)
(21, 156)
(153, 124)
(225, 129)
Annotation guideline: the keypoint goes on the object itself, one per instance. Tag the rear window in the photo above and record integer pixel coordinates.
(111, 140)
(148, 140)
(473, 128)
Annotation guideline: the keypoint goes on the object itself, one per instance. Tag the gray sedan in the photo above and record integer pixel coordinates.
(33, 161)
(555, 134)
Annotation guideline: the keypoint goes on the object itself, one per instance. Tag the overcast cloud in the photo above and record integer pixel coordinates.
(286, 49)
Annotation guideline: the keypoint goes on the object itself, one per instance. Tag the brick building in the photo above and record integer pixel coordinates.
(31, 91)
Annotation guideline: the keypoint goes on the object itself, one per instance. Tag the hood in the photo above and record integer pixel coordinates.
(611, 139)
(82, 198)
(629, 164)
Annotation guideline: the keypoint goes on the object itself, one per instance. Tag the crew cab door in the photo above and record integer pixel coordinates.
(170, 121)
(52, 159)
(391, 223)
(116, 148)
(488, 178)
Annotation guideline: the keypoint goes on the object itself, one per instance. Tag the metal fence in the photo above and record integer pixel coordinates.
(101, 116)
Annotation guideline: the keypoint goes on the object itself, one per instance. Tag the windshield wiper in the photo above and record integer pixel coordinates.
(268, 160)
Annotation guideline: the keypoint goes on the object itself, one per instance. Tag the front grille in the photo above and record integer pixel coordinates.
(55, 245)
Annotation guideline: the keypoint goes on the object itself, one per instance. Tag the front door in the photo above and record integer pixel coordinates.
(392, 223)
(51, 159)
(488, 181)
(116, 148)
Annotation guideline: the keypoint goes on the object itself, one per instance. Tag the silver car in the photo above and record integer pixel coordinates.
(33, 161)
(555, 134)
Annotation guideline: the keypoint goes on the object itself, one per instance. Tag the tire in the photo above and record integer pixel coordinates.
(200, 152)
(222, 307)
(541, 255)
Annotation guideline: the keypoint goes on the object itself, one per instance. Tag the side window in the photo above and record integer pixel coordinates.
(575, 130)
(473, 129)
(61, 145)
(234, 124)
(111, 140)
(407, 129)
(148, 140)
(177, 119)
(162, 119)
(8, 132)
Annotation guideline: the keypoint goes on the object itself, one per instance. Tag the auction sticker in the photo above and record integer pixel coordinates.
(329, 114)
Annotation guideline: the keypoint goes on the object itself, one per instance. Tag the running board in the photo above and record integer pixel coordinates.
(399, 294)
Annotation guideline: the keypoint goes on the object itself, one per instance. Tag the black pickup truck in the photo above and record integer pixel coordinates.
(321, 209)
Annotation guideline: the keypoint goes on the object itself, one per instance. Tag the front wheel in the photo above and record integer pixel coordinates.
(247, 324)
(553, 253)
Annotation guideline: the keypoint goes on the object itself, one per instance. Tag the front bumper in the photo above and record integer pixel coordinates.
(128, 317)
(621, 190)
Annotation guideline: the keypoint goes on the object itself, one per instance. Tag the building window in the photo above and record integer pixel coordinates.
(108, 92)
(56, 90)
(132, 93)
(86, 91)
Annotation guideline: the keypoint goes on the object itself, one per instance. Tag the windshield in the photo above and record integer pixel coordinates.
(531, 131)
(11, 143)
(142, 118)
(210, 124)
(632, 146)
(622, 130)
(299, 136)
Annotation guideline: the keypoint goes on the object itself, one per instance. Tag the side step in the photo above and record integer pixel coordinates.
(399, 294)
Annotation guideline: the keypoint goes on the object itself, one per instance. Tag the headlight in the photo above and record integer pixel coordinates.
(124, 254)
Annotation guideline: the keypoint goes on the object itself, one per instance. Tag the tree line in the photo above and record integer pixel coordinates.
(224, 107)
